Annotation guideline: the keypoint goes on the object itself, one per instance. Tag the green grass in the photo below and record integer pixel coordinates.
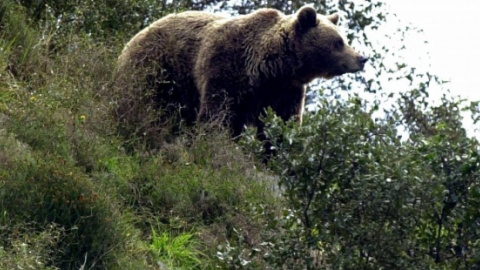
(27, 250)
(72, 196)
(176, 251)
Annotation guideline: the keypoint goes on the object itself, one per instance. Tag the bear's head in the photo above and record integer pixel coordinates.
(320, 48)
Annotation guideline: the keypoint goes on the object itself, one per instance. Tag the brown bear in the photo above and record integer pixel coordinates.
(206, 66)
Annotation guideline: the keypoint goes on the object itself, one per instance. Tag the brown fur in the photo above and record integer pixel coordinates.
(242, 65)
(162, 56)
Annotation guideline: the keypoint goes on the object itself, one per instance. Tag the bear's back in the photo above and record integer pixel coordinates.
(175, 34)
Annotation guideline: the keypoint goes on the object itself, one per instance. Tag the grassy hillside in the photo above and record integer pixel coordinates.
(70, 195)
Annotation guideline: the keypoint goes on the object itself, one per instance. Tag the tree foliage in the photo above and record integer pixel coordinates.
(360, 196)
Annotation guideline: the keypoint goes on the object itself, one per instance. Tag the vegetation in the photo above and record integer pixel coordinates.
(357, 186)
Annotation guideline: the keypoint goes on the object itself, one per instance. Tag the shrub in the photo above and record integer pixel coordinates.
(360, 197)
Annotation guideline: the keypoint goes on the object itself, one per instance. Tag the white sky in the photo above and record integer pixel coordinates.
(452, 29)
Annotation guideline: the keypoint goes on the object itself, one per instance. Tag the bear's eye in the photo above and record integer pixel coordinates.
(338, 44)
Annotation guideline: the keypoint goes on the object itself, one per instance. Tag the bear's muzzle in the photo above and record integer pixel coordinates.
(362, 60)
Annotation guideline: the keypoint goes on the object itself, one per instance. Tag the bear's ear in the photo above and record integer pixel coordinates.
(307, 17)
(334, 18)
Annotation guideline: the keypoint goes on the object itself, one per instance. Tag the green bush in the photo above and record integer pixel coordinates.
(359, 196)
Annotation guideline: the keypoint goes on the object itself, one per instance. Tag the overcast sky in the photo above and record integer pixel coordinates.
(452, 29)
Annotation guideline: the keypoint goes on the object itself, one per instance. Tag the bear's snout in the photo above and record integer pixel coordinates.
(362, 60)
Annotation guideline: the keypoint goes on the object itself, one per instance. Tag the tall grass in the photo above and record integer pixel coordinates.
(72, 196)
(176, 251)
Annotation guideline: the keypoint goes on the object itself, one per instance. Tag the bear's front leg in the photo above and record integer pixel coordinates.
(286, 99)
